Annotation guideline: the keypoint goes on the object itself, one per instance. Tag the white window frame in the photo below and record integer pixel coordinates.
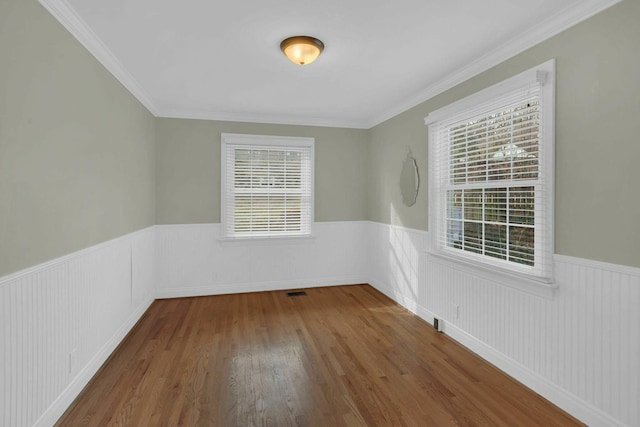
(541, 274)
(231, 141)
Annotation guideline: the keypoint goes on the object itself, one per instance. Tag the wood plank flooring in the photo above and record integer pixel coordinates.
(339, 356)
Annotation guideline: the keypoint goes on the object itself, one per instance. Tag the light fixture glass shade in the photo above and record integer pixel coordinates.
(302, 50)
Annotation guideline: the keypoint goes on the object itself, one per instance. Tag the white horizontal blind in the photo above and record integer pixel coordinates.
(490, 183)
(267, 186)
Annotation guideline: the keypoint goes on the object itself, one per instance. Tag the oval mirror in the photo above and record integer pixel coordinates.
(409, 181)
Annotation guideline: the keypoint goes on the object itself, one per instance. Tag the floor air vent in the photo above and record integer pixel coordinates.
(296, 293)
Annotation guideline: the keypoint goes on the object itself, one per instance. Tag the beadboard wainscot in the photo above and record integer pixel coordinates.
(194, 259)
(577, 344)
(60, 320)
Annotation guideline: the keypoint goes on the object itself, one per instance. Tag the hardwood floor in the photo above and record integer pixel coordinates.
(339, 356)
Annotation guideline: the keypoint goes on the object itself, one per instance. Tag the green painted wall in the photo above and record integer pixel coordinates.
(597, 201)
(188, 169)
(76, 148)
(82, 161)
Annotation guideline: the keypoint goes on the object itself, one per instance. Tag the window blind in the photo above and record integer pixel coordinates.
(491, 191)
(267, 186)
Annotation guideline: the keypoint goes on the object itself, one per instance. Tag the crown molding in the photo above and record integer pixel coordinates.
(545, 30)
(260, 118)
(67, 16)
(561, 21)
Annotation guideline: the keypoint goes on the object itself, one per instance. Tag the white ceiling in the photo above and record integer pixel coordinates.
(220, 59)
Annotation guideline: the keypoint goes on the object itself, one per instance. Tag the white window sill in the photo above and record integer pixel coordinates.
(505, 278)
(268, 240)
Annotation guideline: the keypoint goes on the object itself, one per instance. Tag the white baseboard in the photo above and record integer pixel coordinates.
(563, 399)
(62, 320)
(180, 292)
(543, 343)
(195, 260)
(572, 404)
(66, 398)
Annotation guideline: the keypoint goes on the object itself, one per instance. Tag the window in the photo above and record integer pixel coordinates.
(267, 186)
(491, 172)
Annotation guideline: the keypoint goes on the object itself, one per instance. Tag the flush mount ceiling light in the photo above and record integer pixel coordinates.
(302, 50)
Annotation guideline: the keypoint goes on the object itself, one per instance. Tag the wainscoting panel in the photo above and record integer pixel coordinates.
(193, 260)
(59, 322)
(578, 346)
